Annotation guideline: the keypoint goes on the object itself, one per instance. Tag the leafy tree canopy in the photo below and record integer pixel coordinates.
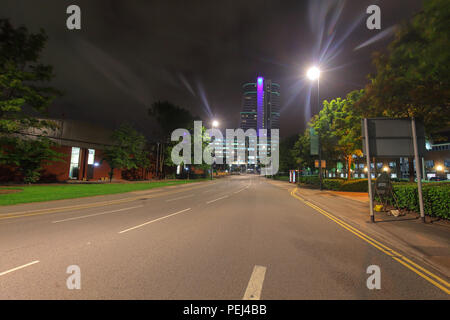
(413, 77)
(23, 84)
(129, 150)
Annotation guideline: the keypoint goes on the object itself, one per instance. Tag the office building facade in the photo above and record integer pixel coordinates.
(260, 105)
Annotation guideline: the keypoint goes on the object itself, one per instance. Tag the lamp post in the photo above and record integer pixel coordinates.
(314, 74)
(214, 124)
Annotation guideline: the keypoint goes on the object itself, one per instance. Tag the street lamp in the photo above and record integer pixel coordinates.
(214, 124)
(439, 168)
(313, 74)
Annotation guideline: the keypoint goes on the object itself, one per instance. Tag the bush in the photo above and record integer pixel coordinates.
(311, 180)
(332, 184)
(280, 178)
(436, 198)
(359, 185)
(337, 184)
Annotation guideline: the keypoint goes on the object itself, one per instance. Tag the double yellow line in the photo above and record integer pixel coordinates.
(427, 275)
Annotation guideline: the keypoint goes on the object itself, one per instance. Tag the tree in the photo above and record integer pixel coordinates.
(169, 118)
(203, 136)
(23, 80)
(413, 78)
(29, 156)
(338, 125)
(346, 127)
(128, 150)
(287, 159)
(302, 151)
(22, 76)
(322, 124)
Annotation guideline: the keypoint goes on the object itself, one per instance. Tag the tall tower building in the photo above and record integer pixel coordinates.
(260, 105)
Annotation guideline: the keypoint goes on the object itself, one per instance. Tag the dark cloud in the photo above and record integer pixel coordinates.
(199, 53)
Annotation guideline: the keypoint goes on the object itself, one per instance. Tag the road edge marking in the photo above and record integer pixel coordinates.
(255, 284)
(383, 248)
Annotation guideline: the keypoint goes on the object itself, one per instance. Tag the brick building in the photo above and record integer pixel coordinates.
(82, 145)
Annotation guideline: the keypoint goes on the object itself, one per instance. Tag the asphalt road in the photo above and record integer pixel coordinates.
(233, 238)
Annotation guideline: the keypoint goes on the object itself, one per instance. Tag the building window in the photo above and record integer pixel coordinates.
(74, 163)
(447, 163)
(429, 163)
(91, 156)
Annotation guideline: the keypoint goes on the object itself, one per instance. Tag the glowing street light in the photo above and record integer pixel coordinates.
(439, 168)
(313, 73)
(215, 124)
(385, 169)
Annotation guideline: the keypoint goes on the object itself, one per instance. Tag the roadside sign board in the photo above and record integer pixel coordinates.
(383, 184)
(324, 163)
(393, 137)
(385, 137)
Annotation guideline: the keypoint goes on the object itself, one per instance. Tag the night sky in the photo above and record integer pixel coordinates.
(197, 54)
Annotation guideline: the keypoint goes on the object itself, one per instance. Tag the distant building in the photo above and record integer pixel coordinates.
(260, 105)
(260, 110)
(82, 146)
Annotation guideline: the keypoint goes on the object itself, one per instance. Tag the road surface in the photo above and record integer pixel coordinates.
(242, 237)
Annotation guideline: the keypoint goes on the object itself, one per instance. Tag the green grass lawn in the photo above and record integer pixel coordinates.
(37, 193)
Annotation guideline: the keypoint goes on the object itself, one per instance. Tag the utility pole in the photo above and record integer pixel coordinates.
(320, 146)
(157, 160)
(418, 173)
(369, 174)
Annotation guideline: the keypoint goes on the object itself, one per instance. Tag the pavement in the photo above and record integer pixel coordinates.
(241, 237)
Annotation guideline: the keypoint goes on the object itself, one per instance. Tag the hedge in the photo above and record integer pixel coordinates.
(359, 185)
(436, 196)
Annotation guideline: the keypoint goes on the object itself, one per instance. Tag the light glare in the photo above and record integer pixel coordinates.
(313, 73)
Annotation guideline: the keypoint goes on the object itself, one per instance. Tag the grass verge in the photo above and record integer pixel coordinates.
(37, 193)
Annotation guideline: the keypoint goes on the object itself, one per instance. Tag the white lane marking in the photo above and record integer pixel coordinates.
(18, 268)
(216, 199)
(96, 214)
(184, 197)
(144, 224)
(255, 284)
(241, 189)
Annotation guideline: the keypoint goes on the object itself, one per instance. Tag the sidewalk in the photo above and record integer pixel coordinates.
(429, 242)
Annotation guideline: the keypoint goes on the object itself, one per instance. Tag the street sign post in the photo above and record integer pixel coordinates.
(369, 176)
(386, 137)
(315, 150)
